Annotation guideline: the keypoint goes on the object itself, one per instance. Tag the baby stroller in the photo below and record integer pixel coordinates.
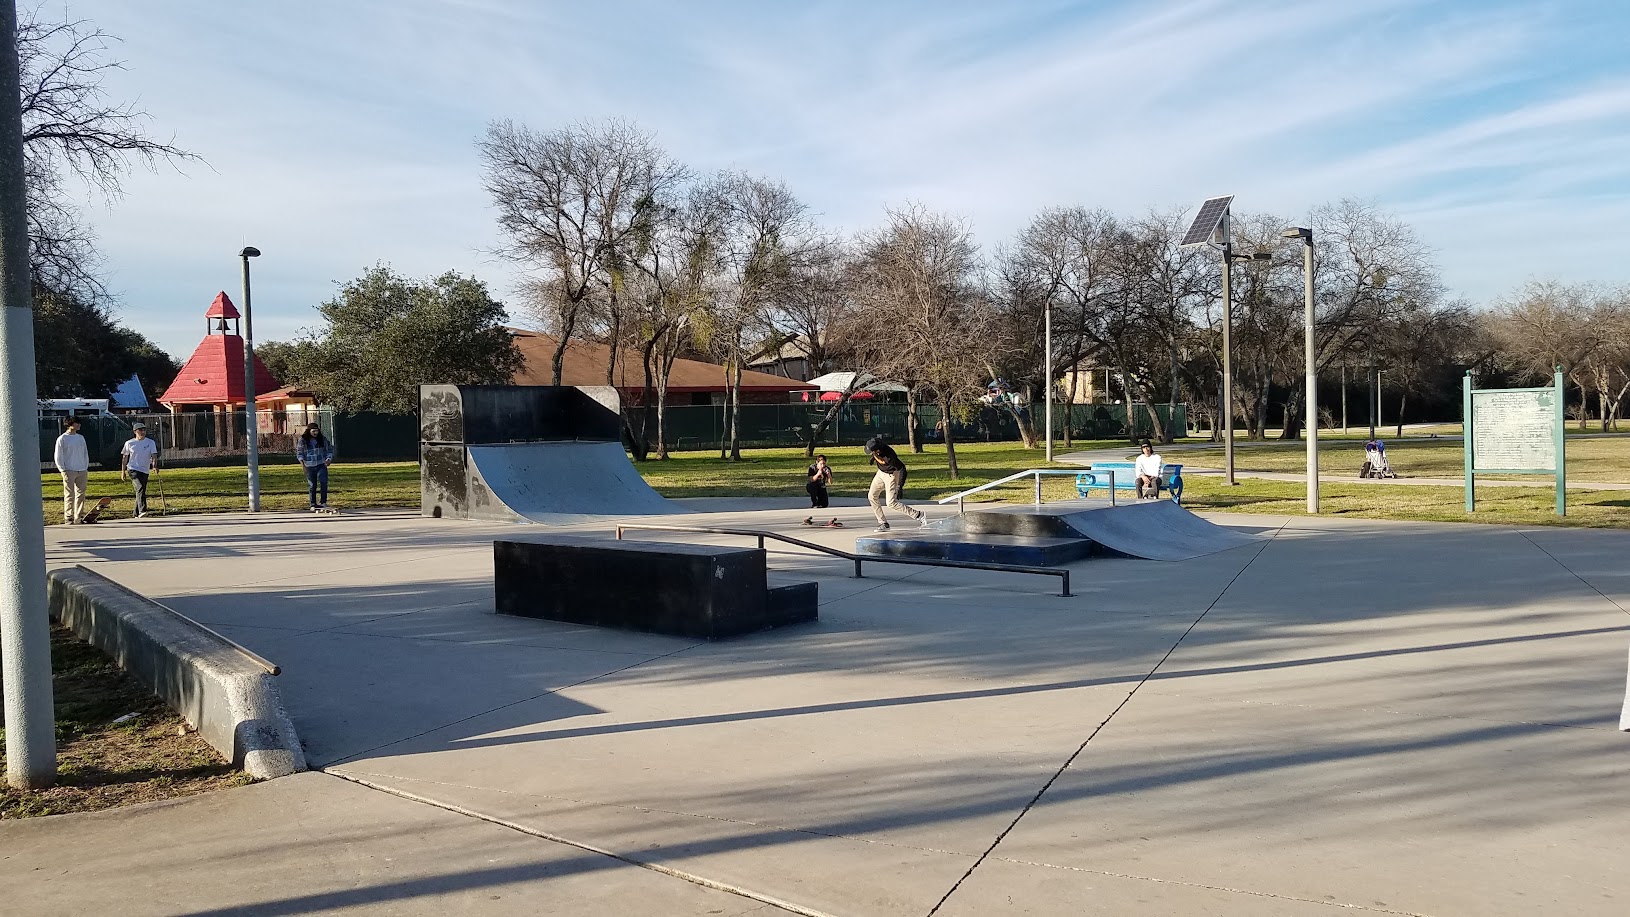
(1375, 461)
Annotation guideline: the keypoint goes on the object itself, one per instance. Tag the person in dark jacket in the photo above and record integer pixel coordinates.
(887, 483)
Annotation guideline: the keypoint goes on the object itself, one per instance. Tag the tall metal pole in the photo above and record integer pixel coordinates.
(1312, 378)
(1047, 382)
(1228, 351)
(1370, 395)
(25, 629)
(251, 423)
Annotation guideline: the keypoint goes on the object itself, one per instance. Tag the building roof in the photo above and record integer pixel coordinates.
(584, 363)
(129, 395)
(286, 393)
(222, 307)
(214, 374)
(844, 381)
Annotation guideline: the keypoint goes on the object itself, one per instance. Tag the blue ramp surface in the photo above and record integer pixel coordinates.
(559, 483)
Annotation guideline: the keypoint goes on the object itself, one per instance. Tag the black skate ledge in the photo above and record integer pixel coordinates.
(682, 590)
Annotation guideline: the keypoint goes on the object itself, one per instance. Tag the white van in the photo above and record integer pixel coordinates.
(74, 407)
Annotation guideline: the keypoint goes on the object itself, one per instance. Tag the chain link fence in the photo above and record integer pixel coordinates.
(764, 425)
(207, 437)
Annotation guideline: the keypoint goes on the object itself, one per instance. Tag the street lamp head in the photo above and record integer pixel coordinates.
(1298, 232)
(249, 251)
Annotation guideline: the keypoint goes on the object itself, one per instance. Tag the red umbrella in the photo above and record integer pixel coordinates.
(838, 396)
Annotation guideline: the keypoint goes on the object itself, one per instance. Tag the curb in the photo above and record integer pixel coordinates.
(220, 688)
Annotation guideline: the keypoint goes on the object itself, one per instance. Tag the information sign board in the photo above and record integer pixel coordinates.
(1514, 431)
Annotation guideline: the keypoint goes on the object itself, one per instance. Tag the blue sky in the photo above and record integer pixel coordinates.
(341, 134)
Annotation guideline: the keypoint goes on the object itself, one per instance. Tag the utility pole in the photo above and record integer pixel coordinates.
(1228, 350)
(25, 629)
(1047, 380)
(252, 425)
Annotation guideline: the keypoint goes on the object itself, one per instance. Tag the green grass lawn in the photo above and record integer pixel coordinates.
(780, 472)
(222, 489)
(1604, 459)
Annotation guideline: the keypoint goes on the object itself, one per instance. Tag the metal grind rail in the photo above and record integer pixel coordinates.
(858, 559)
(1036, 473)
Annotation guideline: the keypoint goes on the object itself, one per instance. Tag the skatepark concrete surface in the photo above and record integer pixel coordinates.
(1338, 717)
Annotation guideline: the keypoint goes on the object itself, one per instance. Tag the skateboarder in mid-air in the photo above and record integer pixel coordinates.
(315, 454)
(887, 483)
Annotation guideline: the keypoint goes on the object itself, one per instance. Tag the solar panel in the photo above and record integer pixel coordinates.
(1205, 222)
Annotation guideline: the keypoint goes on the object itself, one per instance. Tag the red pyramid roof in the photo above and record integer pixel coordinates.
(214, 372)
(222, 307)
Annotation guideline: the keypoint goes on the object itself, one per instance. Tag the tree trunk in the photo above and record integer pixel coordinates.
(1025, 423)
(950, 438)
(735, 411)
(1293, 416)
(1403, 399)
(1069, 408)
(914, 422)
(826, 421)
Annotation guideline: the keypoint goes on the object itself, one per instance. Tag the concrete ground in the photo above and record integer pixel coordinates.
(1343, 717)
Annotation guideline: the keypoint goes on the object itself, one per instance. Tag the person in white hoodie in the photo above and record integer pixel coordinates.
(74, 461)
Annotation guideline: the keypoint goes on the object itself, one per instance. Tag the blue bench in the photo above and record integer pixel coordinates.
(1171, 478)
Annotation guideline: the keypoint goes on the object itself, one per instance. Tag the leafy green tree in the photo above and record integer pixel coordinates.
(280, 358)
(385, 334)
(78, 351)
(152, 366)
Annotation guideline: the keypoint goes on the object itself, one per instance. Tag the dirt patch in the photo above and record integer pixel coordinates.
(102, 764)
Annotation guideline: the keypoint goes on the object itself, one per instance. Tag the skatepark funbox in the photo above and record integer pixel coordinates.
(527, 453)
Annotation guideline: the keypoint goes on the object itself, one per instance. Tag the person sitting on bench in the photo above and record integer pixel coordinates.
(1147, 468)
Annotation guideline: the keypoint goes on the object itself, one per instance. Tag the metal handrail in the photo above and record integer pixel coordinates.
(1036, 473)
(858, 559)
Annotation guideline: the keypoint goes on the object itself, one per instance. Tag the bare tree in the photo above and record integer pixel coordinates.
(918, 279)
(571, 203)
(71, 127)
(1546, 325)
(763, 237)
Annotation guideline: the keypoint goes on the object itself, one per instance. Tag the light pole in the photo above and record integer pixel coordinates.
(1228, 344)
(1306, 235)
(1047, 373)
(25, 629)
(252, 427)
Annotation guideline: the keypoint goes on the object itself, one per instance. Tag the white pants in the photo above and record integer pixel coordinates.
(73, 495)
(885, 491)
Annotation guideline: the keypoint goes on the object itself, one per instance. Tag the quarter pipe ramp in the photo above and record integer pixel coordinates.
(519, 453)
(560, 483)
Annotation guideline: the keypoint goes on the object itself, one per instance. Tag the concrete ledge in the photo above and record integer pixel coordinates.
(223, 691)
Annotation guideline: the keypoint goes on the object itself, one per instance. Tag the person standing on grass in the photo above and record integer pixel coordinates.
(887, 483)
(315, 455)
(73, 460)
(137, 460)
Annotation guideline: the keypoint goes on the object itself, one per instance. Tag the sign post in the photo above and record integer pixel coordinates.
(1515, 431)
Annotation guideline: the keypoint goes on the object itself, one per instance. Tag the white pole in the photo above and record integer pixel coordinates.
(25, 628)
(1047, 381)
(252, 426)
(1228, 351)
(1312, 378)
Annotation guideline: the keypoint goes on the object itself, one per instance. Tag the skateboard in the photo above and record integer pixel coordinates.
(325, 511)
(97, 510)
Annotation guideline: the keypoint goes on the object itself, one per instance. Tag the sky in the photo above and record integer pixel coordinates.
(337, 135)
